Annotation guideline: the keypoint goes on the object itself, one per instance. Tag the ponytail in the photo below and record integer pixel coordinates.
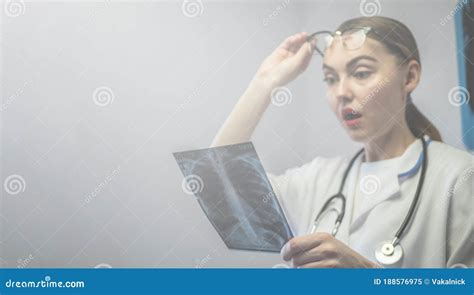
(418, 123)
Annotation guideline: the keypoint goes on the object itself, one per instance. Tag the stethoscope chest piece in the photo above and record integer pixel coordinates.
(388, 254)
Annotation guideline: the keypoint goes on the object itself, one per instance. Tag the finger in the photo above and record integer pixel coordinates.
(292, 43)
(302, 243)
(297, 42)
(287, 43)
(313, 255)
(313, 41)
(305, 45)
(328, 263)
(300, 61)
(304, 56)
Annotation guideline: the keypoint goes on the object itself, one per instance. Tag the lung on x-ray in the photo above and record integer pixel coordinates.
(233, 190)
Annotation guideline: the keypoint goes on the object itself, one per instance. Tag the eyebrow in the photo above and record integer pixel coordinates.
(352, 63)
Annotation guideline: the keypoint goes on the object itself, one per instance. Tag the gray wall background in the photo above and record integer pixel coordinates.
(86, 185)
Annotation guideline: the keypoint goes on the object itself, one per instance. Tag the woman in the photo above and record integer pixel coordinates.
(371, 66)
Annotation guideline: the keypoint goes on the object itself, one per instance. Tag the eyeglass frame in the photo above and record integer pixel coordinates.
(366, 30)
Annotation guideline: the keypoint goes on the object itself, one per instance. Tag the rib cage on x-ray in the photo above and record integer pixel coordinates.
(235, 193)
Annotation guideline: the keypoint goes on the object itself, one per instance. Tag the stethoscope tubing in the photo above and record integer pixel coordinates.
(341, 196)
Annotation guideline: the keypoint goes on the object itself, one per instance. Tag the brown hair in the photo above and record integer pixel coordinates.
(399, 40)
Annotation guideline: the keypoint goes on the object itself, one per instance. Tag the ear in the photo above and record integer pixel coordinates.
(413, 73)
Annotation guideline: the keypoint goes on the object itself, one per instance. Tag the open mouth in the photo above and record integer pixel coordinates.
(351, 117)
(350, 114)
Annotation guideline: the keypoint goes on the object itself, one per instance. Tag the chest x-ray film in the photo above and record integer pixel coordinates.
(233, 190)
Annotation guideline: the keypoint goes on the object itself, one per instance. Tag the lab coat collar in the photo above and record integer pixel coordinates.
(412, 159)
(410, 163)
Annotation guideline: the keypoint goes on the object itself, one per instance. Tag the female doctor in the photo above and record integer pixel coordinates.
(405, 199)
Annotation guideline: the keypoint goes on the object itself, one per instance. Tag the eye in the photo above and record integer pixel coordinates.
(361, 75)
(330, 80)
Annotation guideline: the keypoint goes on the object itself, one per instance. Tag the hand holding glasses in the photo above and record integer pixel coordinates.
(293, 55)
(286, 62)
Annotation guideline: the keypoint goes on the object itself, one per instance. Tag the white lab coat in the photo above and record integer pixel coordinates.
(441, 233)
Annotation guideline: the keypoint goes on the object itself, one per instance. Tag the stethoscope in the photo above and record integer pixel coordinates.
(387, 252)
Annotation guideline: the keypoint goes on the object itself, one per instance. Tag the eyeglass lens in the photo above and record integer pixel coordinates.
(352, 39)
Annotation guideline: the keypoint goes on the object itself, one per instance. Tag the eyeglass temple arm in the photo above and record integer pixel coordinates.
(308, 39)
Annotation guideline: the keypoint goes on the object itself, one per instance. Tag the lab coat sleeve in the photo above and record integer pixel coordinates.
(291, 189)
(460, 229)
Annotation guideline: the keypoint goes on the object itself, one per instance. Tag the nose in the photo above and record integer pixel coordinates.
(343, 91)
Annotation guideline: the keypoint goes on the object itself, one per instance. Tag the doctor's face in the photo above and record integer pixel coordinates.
(365, 89)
